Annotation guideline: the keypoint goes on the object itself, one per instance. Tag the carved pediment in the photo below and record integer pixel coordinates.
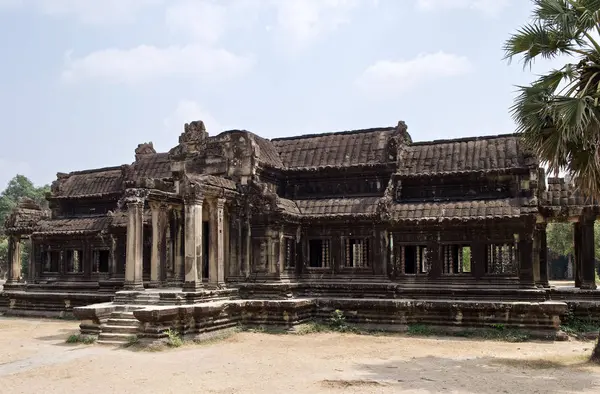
(192, 140)
(147, 148)
(193, 132)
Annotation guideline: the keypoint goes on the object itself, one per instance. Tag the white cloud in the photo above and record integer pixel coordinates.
(187, 111)
(386, 78)
(488, 7)
(147, 62)
(89, 11)
(209, 20)
(204, 20)
(303, 21)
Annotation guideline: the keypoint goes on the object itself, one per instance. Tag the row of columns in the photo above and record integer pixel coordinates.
(191, 258)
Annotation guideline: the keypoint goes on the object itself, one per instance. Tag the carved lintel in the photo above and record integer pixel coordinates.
(194, 194)
(135, 196)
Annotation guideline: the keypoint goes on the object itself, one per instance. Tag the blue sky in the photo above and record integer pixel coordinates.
(82, 82)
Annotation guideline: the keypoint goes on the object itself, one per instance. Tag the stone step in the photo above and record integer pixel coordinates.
(110, 329)
(122, 315)
(111, 343)
(114, 338)
(116, 321)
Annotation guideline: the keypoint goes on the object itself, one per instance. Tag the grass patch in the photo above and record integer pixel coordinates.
(498, 332)
(133, 340)
(576, 326)
(173, 338)
(83, 339)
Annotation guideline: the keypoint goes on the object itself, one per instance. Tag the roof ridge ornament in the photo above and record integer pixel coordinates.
(144, 149)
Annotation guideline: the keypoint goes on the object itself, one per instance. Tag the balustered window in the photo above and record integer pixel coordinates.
(356, 253)
(73, 261)
(501, 259)
(100, 261)
(290, 252)
(457, 259)
(413, 259)
(319, 252)
(51, 261)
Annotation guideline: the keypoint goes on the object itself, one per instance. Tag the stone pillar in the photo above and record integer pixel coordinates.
(525, 249)
(543, 255)
(14, 259)
(112, 257)
(178, 259)
(155, 256)
(577, 253)
(247, 249)
(587, 267)
(32, 265)
(163, 231)
(193, 243)
(135, 240)
(216, 269)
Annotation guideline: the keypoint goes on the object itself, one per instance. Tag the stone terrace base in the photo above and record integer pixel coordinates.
(46, 304)
(144, 314)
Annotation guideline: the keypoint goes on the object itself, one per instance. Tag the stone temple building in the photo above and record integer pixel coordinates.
(363, 220)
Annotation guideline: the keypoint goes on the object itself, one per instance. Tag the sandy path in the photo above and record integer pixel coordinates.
(34, 358)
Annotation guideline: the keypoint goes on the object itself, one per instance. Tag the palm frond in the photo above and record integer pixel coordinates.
(535, 40)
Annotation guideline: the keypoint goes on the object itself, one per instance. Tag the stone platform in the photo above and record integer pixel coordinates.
(150, 314)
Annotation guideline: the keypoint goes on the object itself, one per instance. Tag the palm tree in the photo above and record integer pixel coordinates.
(558, 115)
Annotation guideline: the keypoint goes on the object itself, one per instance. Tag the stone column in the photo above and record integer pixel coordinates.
(112, 257)
(178, 259)
(155, 256)
(525, 250)
(32, 259)
(14, 259)
(577, 254)
(163, 231)
(135, 240)
(193, 243)
(216, 269)
(543, 254)
(587, 267)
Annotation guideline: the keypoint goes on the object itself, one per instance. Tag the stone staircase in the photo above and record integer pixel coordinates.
(120, 327)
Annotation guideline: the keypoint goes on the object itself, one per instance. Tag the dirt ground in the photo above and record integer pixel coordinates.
(35, 359)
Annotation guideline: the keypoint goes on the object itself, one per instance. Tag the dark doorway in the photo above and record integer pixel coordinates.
(205, 249)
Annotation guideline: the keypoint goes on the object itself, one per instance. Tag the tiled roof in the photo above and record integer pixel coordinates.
(562, 194)
(338, 206)
(73, 225)
(268, 155)
(343, 149)
(25, 217)
(483, 209)
(155, 166)
(90, 183)
(461, 155)
(288, 206)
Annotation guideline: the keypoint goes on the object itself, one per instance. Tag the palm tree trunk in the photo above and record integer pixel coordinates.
(596, 353)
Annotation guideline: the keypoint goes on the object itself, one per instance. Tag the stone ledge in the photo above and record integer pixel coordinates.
(204, 320)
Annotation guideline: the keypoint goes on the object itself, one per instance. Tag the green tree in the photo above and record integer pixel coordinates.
(559, 114)
(559, 237)
(18, 187)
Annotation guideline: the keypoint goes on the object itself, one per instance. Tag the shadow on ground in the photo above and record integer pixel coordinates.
(61, 335)
(480, 375)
